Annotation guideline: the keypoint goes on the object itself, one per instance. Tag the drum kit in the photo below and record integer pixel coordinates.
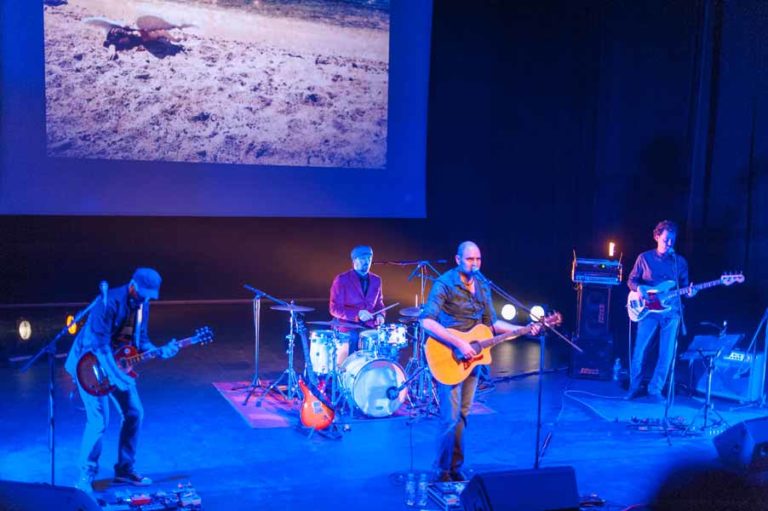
(371, 380)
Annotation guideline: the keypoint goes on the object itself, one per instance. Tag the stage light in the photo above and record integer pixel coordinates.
(611, 249)
(508, 312)
(537, 312)
(71, 325)
(24, 329)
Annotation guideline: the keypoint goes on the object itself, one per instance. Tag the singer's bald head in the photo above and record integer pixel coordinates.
(468, 258)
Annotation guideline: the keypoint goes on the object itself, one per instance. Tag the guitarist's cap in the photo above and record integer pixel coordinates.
(148, 281)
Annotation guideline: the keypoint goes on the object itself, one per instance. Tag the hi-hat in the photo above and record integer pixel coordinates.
(292, 308)
(411, 312)
(335, 323)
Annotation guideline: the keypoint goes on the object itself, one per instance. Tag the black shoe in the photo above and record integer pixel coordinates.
(132, 478)
(634, 393)
(458, 476)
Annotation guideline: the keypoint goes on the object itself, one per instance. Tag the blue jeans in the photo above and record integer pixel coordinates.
(667, 337)
(129, 405)
(455, 402)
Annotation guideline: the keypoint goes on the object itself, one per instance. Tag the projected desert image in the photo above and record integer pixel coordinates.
(260, 82)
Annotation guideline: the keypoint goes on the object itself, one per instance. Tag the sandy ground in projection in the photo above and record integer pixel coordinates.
(236, 87)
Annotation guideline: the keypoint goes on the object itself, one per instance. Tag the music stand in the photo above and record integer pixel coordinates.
(708, 348)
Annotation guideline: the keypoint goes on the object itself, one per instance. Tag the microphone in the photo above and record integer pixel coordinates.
(104, 287)
(479, 276)
(392, 393)
(671, 250)
(725, 327)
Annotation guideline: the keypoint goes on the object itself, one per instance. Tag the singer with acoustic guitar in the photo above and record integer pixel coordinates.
(120, 318)
(459, 301)
(651, 268)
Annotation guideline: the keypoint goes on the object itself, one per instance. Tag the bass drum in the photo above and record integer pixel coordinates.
(366, 379)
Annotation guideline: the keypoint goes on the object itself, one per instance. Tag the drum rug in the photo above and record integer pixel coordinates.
(276, 412)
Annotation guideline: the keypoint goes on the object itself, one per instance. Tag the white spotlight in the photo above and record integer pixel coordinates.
(508, 312)
(537, 312)
(24, 328)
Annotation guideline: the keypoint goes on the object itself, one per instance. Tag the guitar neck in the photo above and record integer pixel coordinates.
(498, 339)
(155, 352)
(703, 285)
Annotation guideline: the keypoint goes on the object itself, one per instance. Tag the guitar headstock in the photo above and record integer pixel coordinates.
(731, 278)
(554, 319)
(203, 335)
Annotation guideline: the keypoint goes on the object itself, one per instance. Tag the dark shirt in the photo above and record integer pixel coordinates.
(364, 281)
(452, 305)
(106, 323)
(652, 269)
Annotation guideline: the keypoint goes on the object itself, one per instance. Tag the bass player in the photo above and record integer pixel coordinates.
(121, 317)
(651, 268)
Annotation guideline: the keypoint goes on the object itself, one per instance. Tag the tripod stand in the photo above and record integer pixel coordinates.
(289, 374)
(255, 381)
(709, 363)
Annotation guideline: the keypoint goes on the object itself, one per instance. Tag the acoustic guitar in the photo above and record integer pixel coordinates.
(447, 364)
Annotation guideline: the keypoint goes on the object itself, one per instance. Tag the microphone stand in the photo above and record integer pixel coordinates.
(542, 347)
(50, 350)
(257, 296)
(671, 392)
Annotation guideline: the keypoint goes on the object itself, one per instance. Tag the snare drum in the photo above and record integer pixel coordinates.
(322, 344)
(366, 379)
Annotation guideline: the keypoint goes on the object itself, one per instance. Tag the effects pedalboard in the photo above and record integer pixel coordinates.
(183, 496)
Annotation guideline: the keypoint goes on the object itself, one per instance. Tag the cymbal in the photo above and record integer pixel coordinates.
(408, 320)
(335, 323)
(292, 308)
(411, 312)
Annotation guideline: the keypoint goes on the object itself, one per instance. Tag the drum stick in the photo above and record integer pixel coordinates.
(385, 308)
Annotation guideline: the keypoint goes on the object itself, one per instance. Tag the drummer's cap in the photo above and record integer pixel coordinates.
(360, 251)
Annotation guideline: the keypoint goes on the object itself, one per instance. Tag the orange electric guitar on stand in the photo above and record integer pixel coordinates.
(449, 367)
(316, 412)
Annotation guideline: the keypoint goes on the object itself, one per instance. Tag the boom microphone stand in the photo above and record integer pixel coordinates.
(542, 347)
(50, 350)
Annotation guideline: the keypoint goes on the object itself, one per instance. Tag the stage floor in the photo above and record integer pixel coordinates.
(193, 434)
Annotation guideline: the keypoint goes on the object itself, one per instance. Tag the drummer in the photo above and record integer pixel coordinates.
(356, 294)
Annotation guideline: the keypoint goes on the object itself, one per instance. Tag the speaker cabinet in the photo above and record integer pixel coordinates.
(593, 308)
(744, 447)
(545, 489)
(734, 377)
(596, 359)
(18, 496)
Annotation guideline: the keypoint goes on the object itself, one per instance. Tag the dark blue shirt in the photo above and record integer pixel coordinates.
(452, 305)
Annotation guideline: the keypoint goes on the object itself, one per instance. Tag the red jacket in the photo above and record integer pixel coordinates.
(347, 297)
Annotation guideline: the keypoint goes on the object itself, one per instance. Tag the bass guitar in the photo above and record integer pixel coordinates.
(93, 378)
(316, 412)
(447, 364)
(658, 299)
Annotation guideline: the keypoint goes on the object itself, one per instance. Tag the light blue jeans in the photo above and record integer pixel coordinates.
(455, 402)
(129, 406)
(668, 325)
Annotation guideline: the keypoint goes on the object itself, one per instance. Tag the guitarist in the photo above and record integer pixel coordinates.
(460, 301)
(121, 316)
(651, 268)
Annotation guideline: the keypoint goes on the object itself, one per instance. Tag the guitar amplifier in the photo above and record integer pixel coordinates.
(737, 375)
(596, 271)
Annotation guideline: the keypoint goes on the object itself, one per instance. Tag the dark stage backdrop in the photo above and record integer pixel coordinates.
(553, 126)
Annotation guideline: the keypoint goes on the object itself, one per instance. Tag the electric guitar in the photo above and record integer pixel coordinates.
(659, 298)
(316, 411)
(94, 379)
(447, 364)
